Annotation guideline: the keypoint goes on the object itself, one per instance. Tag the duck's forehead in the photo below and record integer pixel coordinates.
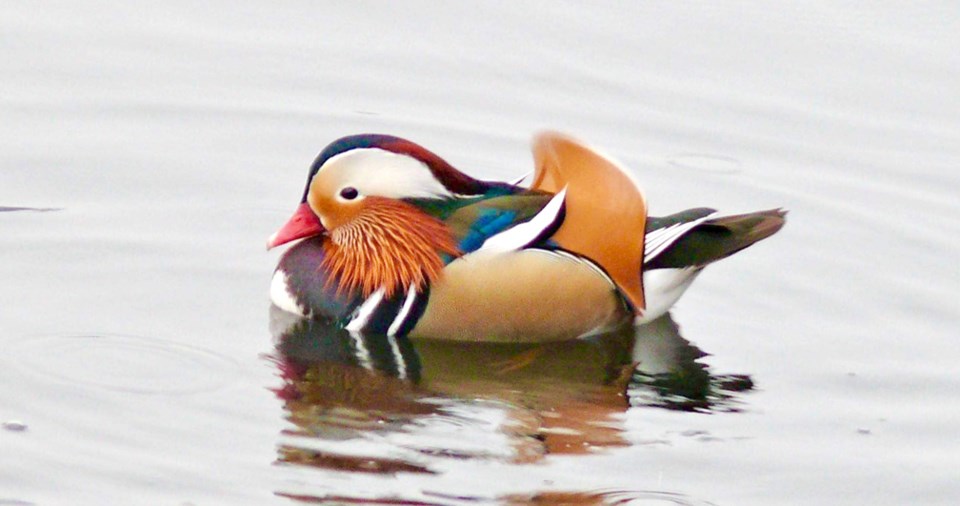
(374, 171)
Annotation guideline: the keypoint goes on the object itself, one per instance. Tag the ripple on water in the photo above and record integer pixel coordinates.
(14, 426)
(125, 363)
(15, 502)
(715, 164)
(34, 209)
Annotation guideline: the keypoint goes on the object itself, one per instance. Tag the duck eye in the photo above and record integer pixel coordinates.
(349, 193)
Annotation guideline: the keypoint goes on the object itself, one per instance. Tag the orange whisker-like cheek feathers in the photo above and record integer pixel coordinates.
(390, 244)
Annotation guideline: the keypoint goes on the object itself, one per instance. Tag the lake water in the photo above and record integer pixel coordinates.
(158, 144)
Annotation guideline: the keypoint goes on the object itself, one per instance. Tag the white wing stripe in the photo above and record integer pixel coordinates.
(659, 240)
(523, 234)
(570, 257)
(517, 181)
(656, 238)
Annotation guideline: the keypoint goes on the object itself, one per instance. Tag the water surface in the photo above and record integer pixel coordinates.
(168, 140)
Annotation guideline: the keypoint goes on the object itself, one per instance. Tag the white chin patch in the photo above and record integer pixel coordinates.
(280, 294)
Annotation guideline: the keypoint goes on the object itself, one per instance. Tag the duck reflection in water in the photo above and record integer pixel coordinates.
(379, 404)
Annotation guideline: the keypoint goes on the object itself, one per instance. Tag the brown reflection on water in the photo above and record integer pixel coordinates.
(560, 398)
(601, 498)
(372, 404)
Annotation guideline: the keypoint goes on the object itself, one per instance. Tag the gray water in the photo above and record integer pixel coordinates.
(157, 145)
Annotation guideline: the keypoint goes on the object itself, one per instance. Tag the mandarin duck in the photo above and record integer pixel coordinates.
(396, 241)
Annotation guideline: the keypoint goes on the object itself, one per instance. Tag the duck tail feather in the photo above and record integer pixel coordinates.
(720, 237)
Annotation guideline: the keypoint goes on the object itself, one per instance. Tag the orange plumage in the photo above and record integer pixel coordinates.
(389, 244)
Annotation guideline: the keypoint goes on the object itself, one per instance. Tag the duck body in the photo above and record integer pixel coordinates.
(396, 241)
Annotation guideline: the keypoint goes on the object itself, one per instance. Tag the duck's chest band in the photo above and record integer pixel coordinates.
(390, 245)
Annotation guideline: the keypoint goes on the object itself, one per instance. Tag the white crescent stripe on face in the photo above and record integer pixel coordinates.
(523, 234)
(364, 312)
(374, 171)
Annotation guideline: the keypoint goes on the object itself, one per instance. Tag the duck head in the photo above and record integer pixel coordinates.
(362, 193)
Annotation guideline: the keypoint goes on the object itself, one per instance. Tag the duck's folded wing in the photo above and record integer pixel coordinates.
(505, 219)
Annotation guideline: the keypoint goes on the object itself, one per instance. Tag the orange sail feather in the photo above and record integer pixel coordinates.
(606, 212)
